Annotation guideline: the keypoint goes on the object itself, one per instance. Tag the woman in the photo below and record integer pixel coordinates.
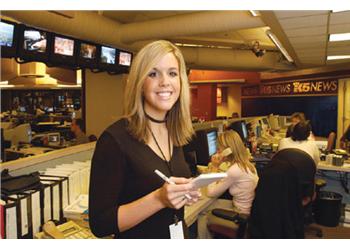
(126, 197)
(300, 139)
(241, 181)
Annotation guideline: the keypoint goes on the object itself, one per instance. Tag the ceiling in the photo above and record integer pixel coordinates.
(211, 39)
(306, 32)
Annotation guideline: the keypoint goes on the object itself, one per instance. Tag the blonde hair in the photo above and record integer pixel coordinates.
(179, 118)
(239, 154)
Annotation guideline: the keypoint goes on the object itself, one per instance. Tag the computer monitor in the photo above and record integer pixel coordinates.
(54, 139)
(63, 50)
(20, 134)
(205, 143)
(241, 128)
(274, 122)
(8, 38)
(34, 44)
(87, 56)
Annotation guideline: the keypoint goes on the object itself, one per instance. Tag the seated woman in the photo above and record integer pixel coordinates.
(241, 182)
(300, 139)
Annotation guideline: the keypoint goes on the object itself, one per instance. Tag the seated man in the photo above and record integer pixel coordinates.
(76, 128)
(300, 139)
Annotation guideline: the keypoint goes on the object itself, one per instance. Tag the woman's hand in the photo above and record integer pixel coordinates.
(173, 195)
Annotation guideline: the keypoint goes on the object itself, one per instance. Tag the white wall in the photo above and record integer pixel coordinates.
(233, 102)
(104, 100)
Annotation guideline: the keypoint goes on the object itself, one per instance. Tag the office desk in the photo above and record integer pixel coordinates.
(13, 154)
(322, 165)
(192, 212)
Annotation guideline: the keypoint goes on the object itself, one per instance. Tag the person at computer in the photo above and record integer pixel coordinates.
(241, 182)
(295, 118)
(126, 197)
(76, 128)
(300, 139)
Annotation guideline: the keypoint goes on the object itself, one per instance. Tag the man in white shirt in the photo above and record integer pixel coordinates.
(300, 139)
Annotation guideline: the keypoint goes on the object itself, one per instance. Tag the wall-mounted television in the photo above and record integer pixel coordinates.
(108, 58)
(87, 55)
(8, 38)
(124, 61)
(63, 51)
(34, 44)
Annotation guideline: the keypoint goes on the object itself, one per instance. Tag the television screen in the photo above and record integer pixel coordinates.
(108, 55)
(125, 58)
(7, 31)
(63, 46)
(35, 40)
(211, 137)
(87, 51)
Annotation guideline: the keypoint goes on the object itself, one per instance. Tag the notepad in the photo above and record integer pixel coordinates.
(205, 179)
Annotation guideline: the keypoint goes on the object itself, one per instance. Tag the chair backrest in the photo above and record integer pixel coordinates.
(277, 210)
(331, 141)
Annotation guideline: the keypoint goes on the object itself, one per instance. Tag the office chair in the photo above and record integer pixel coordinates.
(277, 210)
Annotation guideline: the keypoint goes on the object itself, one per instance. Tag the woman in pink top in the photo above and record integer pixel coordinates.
(241, 181)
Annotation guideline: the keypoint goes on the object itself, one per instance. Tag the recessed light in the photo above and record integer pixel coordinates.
(338, 57)
(339, 37)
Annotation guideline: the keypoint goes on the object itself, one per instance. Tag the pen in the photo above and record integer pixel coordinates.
(167, 180)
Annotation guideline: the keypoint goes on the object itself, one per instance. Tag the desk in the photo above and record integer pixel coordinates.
(192, 212)
(13, 154)
(322, 165)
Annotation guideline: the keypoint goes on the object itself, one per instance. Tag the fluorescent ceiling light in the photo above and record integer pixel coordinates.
(279, 45)
(338, 57)
(339, 37)
(254, 12)
(339, 10)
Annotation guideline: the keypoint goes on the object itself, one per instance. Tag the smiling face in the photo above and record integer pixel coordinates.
(162, 86)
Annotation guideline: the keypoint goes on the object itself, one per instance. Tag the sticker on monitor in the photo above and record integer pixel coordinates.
(64, 46)
(6, 34)
(35, 40)
(108, 55)
(87, 51)
(124, 58)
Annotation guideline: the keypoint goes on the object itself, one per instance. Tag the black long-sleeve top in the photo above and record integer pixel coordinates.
(122, 171)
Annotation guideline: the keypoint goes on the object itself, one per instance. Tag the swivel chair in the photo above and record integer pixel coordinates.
(277, 210)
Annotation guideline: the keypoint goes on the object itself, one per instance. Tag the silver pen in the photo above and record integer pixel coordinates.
(167, 180)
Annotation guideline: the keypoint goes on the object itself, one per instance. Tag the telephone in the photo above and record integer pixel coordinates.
(68, 230)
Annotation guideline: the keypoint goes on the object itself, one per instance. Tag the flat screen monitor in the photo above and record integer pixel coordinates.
(8, 38)
(212, 141)
(241, 128)
(125, 58)
(63, 51)
(108, 55)
(34, 44)
(63, 46)
(205, 143)
(87, 56)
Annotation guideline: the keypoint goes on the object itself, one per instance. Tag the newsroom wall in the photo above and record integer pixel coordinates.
(233, 103)
(103, 100)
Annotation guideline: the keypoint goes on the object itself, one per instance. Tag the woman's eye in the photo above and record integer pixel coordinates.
(173, 74)
(152, 74)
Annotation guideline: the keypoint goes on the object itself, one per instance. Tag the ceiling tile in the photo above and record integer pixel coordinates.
(303, 22)
(298, 13)
(318, 30)
(339, 28)
(308, 39)
(339, 17)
